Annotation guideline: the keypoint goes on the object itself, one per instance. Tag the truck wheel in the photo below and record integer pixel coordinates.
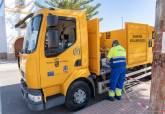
(78, 95)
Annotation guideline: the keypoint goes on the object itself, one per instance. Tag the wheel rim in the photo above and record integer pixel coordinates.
(80, 96)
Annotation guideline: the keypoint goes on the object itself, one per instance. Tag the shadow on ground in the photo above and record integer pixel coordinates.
(12, 103)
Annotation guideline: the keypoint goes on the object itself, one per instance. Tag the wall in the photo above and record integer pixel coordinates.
(3, 39)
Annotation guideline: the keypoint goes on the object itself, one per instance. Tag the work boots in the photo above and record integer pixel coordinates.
(111, 95)
(111, 98)
(118, 97)
(118, 93)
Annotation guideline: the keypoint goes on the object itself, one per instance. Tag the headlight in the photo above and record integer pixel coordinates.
(35, 98)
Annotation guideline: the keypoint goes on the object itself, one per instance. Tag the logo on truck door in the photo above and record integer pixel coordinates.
(76, 51)
(56, 62)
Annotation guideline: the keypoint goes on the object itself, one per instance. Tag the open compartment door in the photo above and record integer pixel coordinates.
(94, 46)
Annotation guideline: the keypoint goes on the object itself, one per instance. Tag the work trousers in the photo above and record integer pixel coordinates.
(117, 78)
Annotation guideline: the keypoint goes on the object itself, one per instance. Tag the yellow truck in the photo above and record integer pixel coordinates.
(136, 39)
(61, 59)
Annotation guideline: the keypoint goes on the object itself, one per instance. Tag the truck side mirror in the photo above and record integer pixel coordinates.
(53, 39)
(52, 20)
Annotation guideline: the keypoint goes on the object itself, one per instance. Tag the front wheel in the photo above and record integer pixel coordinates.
(78, 95)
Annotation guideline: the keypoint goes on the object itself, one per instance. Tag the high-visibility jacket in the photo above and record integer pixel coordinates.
(117, 57)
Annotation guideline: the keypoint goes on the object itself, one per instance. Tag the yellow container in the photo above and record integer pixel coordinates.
(136, 39)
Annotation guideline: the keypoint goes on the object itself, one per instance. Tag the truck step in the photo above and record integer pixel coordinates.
(130, 82)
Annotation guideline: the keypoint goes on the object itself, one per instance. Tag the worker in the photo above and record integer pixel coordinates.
(117, 60)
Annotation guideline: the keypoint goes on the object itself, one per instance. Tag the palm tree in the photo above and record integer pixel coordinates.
(85, 5)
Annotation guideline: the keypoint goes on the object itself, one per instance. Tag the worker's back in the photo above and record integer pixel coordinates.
(117, 56)
(118, 51)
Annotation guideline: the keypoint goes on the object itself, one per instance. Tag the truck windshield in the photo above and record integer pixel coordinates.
(31, 35)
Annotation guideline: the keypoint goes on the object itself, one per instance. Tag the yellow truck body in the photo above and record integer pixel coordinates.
(60, 59)
(137, 40)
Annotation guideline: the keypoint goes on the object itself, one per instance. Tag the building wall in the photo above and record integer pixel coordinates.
(8, 19)
(11, 18)
(3, 39)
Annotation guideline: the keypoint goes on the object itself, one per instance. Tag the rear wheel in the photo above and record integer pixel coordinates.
(78, 95)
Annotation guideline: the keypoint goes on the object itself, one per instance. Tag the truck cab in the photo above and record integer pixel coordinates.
(54, 61)
(63, 57)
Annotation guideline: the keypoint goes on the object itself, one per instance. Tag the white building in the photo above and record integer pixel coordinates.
(9, 16)
(3, 38)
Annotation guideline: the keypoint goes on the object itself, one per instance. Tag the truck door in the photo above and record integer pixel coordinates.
(94, 46)
(60, 52)
(137, 39)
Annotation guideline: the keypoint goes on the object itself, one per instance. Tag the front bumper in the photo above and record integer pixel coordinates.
(31, 104)
(41, 105)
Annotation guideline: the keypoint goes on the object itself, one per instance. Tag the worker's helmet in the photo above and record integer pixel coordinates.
(115, 43)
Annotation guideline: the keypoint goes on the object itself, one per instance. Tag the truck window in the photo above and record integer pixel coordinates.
(64, 36)
(32, 32)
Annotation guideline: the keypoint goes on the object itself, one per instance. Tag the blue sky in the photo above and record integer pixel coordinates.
(141, 11)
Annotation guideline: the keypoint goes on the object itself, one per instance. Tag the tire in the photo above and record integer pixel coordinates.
(78, 95)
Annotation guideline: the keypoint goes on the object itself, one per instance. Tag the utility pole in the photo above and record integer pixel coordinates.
(122, 22)
(3, 38)
(157, 99)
